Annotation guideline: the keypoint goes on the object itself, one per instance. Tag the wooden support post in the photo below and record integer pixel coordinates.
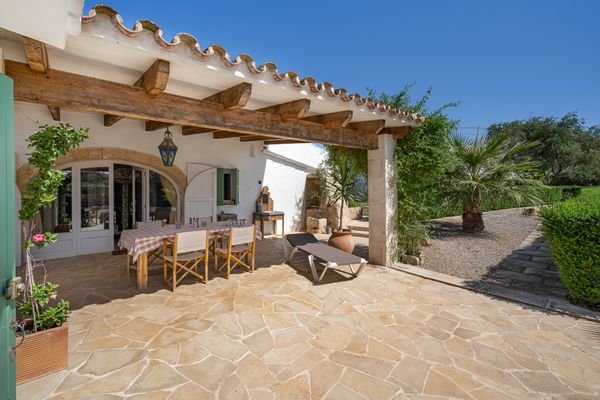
(383, 202)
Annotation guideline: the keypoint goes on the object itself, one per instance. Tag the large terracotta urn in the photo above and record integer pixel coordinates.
(342, 240)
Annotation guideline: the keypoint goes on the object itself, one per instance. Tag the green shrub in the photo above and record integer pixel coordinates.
(411, 236)
(569, 192)
(573, 229)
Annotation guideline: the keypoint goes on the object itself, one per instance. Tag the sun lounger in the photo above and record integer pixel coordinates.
(319, 252)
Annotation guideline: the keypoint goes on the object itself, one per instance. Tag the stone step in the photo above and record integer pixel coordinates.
(362, 228)
(361, 234)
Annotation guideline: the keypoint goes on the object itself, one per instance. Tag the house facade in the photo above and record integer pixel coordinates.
(238, 127)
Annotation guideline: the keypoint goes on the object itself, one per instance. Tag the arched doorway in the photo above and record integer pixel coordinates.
(100, 199)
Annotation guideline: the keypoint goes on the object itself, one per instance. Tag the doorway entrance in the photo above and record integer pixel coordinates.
(98, 200)
(129, 199)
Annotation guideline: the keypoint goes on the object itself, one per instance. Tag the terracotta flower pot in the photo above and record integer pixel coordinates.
(42, 353)
(342, 240)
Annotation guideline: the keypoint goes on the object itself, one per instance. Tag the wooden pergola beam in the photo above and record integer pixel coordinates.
(339, 119)
(372, 127)
(397, 132)
(153, 81)
(106, 97)
(231, 98)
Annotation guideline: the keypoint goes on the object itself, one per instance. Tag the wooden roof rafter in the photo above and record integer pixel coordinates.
(339, 119)
(37, 59)
(372, 127)
(397, 132)
(292, 110)
(283, 141)
(227, 135)
(154, 81)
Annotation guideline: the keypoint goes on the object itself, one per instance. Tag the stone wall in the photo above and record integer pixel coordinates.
(332, 215)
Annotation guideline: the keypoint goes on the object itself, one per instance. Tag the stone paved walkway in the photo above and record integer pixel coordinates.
(529, 268)
(273, 334)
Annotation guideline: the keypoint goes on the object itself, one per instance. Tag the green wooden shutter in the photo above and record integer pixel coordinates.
(237, 186)
(220, 186)
(7, 235)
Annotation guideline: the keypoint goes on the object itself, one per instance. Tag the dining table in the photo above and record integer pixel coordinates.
(141, 242)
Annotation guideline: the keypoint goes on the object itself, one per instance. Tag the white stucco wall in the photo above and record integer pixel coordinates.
(47, 21)
(307, 153)
(285, 181)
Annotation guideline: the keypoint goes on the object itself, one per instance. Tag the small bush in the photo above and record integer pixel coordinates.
(569, 192)
(573, 229)
(411, 237)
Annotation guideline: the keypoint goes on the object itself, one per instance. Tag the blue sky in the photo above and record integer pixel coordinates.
(503, 60)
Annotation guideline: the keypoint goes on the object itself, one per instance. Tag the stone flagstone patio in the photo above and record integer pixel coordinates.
(274, 334)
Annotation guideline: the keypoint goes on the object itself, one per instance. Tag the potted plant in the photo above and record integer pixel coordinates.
(343, 181)
(43, 315)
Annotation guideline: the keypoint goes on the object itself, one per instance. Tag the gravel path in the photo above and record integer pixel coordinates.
(471, 255)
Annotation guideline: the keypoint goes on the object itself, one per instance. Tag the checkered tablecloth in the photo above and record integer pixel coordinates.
(148, 239)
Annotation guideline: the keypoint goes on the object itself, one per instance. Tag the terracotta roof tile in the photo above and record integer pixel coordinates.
(216, 50)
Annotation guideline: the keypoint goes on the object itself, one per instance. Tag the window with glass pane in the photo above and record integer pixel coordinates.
(163, 199)
(95, 214)
(57, 217)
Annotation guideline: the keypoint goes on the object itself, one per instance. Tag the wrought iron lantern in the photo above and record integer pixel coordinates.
(167, 149)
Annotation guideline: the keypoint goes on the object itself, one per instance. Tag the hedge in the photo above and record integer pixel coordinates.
(573, 230)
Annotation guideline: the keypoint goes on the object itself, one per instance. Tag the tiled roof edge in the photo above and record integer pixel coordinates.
(186, 39)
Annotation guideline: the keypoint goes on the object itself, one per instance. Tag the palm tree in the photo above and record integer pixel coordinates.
(343, 178)
(489, 167)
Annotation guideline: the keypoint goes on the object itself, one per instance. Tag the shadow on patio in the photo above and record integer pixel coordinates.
(101, 278)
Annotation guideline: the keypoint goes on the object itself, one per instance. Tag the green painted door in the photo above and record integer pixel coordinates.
(7, 236)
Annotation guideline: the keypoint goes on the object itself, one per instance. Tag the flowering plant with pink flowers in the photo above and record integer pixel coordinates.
(40, 240)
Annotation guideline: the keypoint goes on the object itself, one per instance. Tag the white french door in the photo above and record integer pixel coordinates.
(93, 223)
(99, 199)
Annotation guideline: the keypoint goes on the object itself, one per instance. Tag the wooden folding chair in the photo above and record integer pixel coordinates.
(156, 254)
(241, 245)
(189, 249)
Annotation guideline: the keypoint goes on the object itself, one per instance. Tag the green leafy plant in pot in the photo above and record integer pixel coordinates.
(40, 309)
(343, 177)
